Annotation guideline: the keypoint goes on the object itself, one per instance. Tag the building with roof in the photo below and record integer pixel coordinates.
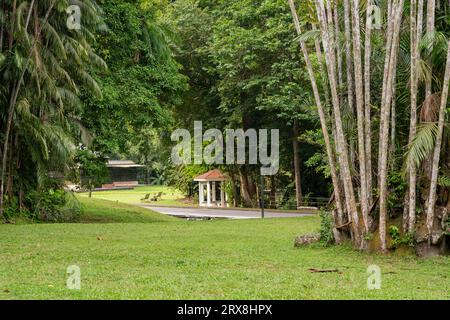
(122, 174)
(211, 189)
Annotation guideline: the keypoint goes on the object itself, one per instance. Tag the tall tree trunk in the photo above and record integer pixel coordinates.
(392, 147)
(340, 142)
(297, 174)
(393, 41)
(437, 148)
(393, 122)
(367, 105)
(273, 193)
(248, 188)
(348, 55)
(387, 57)
(431, 11)
(234, 187)
(323, 73)
(359, 90)
(338, 49)
(323, 121)
(90, 187)
(413, 117)
(349, 69)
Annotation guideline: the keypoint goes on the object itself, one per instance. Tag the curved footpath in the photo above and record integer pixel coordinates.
(222, 213)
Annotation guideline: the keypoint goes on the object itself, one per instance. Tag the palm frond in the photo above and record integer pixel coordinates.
(422, 144)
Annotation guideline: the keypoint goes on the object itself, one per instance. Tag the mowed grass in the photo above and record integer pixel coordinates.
(171, 196)
(168, 258)
(105, 211)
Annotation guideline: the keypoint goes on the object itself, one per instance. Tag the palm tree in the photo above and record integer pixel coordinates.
(393, 43)
(42, 90)
(322, 117)
(341, 144)
(398, 96)
(367, 105)
(360, 114)
(416, 20)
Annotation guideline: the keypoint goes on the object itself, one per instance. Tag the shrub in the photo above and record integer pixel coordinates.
(326, 227)
(398, 239)
(53, 206)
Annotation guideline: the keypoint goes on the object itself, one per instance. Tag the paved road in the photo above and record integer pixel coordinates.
(222, 213)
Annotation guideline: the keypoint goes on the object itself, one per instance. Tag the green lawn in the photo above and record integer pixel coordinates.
(105, 211)
(171, 196)
(146, 256)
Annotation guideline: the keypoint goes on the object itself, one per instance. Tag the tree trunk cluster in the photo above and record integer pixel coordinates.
(361, 186)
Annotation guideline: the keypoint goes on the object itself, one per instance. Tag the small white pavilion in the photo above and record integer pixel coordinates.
(212, 182)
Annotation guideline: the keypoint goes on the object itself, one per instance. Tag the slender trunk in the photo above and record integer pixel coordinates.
(340, 217)
(298, 181)
(405, 218)
(359, 90)
(235, 193)
(367, 105)
(340, 142)
(389, 35)
(90, 187)
(397, 10)
(323, 73)
(431, 10)
(328, 16)
(349, 69)
(348, 55)
(392, 146)
(393, 119)
(273, 193)
(323, 122)
(29, 15)
(338, 49)
(323, 70)
(437, 149)
(420, 21)
(13, 24)
(413, 117)
(9, 186)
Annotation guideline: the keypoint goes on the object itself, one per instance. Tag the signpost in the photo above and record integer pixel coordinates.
(261, 196)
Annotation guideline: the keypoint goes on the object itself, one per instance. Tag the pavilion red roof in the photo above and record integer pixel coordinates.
(213, 175)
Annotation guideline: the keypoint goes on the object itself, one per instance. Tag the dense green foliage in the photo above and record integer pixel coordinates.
(108, 87)
(245, 71)
(142, 84)
(44, 68)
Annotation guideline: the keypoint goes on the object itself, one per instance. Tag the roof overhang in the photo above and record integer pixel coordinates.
(124, 166)
(206, 180)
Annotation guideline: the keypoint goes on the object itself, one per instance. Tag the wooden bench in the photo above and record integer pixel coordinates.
(156, 197)
(144, 199)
